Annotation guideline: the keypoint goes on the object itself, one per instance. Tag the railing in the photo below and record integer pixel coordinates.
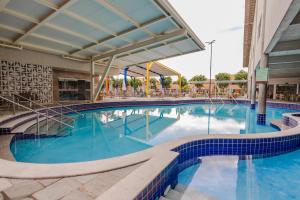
(37, 113)
(46, 108)
(220, 98)
(209, 98)
(75, 111)
(234, 99)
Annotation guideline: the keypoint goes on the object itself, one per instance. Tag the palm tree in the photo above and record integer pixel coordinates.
(135, 83)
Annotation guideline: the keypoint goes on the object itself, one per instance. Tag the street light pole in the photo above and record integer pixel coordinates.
(210, 65)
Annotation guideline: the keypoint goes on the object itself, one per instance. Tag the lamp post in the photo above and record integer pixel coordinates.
(210, 65)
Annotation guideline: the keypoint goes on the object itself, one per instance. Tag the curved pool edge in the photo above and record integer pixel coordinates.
(11, 169)
(136, 186)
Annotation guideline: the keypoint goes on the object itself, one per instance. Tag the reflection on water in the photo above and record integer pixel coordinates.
(113, 132)
(228, 178)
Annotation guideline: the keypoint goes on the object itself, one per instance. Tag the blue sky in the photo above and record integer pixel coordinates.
(221, 20)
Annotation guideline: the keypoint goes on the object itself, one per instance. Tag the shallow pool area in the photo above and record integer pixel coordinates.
(229, 178)
(111, 132)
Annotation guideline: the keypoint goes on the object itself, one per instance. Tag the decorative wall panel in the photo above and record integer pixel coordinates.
(16, 77)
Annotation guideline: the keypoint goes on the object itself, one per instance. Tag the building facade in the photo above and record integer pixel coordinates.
(272, 51)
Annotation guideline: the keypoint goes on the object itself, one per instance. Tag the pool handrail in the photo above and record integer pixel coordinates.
(42, 106)
(37, 112)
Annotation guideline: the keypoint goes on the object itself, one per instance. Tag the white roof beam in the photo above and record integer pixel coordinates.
(47, 4)
(3, 4)
(101, 42)
(123, 15)
(55, 27)
(55, 40)
(46, 19)
(10, 28)
(45, 49)
(143, 44)
(19, 15)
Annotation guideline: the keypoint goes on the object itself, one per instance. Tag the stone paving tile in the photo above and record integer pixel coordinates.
(84, 179)
(16, 181)
(99, 184)
(47, 182)
(57, 190)
(124, 171)
(4, 184)
(22, 189)
(77, 195)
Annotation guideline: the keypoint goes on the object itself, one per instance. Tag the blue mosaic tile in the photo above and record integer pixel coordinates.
(261, 119)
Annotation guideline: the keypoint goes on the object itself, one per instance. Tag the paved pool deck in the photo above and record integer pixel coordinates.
(87, 187)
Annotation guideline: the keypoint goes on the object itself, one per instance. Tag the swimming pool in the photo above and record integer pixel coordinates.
(111, 132)
(229, 178)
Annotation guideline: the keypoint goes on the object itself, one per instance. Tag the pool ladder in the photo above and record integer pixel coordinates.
(39, 113)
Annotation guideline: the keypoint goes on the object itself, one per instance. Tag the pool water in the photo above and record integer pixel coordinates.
(106, 133)
(228, 178)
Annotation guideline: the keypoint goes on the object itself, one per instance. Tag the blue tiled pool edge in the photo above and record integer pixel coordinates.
(191, 151)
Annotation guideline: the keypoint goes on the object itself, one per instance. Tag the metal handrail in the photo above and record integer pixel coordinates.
(209, 98)
(220, 98)
(37, 112)
(70, 109)
(234, 99)
(42, 106)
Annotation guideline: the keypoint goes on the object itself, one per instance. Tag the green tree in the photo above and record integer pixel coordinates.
(167, 82)
(135, 83)
(153, 83)
(117, 83)
(198, 78)
(184, 81)
(222, 77)
(241, 75)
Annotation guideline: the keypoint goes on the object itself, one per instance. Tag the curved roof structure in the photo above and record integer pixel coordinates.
(134, 31)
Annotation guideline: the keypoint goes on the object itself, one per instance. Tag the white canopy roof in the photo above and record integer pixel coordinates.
(134, 31)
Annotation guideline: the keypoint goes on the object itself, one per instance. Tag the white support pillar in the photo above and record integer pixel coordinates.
(297, 91)
(274, 91)
(92, 83)
(103, 77)
(253, 90)
(262, 94)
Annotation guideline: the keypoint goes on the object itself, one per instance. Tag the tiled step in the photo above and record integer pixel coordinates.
(174, 195)
(9, 125)
(279, 124)
(181, 192)
(20, 123)
(180, 188)
(164, 198)
(23, 127)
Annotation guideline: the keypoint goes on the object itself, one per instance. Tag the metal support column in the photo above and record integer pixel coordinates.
(148, 67)
(92, 73)
(106, 85)
(103, 77)
(253, 90)
(274, 91)
(162, 82)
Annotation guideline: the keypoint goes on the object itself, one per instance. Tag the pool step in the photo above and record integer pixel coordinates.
(181, 192)
(24, 126)
(279, 125)
(20, 123)
(7, 126)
